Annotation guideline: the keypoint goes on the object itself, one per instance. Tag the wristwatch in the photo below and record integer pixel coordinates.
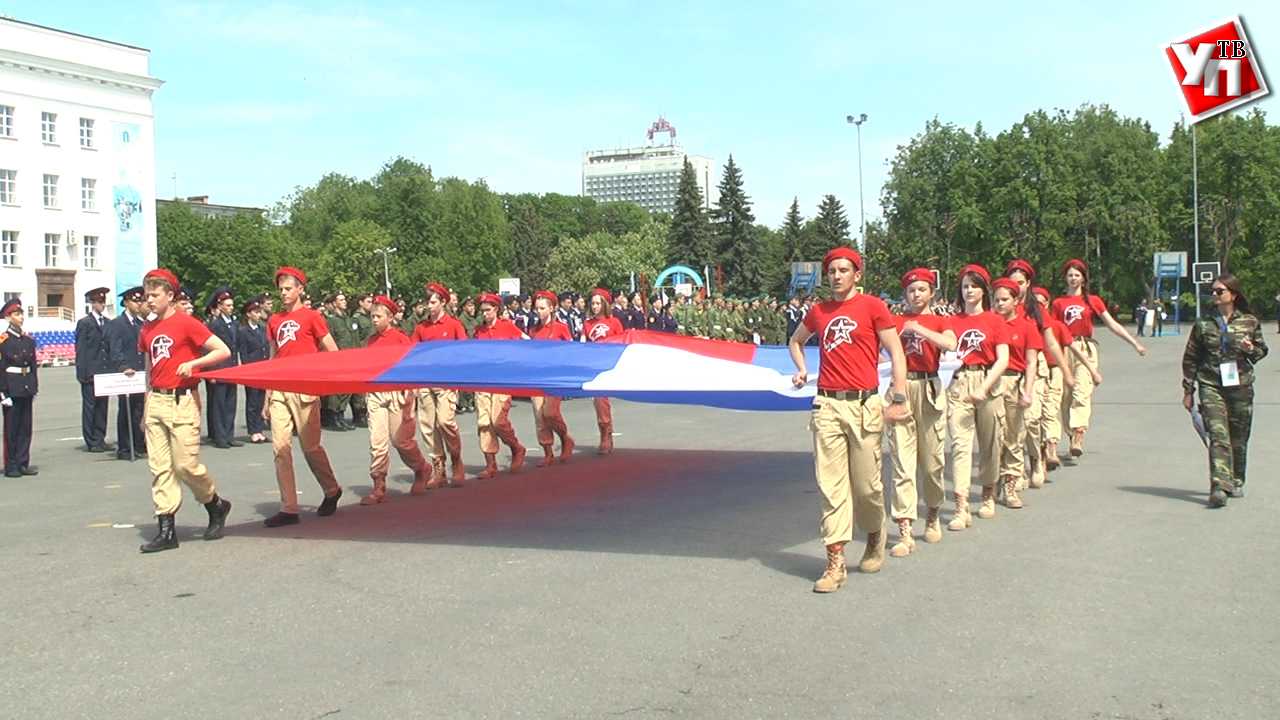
(898, 398)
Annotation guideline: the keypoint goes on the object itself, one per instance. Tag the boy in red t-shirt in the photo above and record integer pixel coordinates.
(175, 344)
(298, 330)
(391, 413)
(848, 414)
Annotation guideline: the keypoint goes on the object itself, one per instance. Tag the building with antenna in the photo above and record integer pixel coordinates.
(648, 176)
(77, 168)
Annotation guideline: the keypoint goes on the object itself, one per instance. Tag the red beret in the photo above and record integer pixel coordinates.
(973, 268)
(917, 275)
(546, 295)
(1007, 284)
(1041, 292)
(608, 297)
(439, 289)
(387, 303)
(1021, 265)
(1076, 263)
(162, 274)
(491, 298)
(842, 253)
(293, 272)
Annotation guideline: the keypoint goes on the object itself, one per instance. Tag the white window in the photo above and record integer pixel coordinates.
(89, 194)
(52, 242)
(89, 248)
(86, 132)
(49, 127)
(8, 187)
(50, 191)
(9, 248)
(6, 121)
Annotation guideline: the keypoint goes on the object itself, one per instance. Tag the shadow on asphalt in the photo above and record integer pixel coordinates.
(1199, 497)
(670, 502)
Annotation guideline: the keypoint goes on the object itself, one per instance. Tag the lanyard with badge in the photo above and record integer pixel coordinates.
(1228, 370)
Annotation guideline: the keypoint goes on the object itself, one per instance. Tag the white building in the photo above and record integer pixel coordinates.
(648, 176)
(77, 168)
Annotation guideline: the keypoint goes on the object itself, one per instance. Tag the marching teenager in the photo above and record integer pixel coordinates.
(1017, 385)
(391, 413)
(175, 344)
(974, 408)
(546, 409)
(848, 413)
(598, 327)
(1078, 309)
(298, 330)
(438, 407)
(493, 409)
(1056, 378)
(916, 452)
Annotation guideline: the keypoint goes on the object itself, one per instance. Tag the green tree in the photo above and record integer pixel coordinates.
(531, 247)
(350, 263)
(793, 234)
(690, 238)
(737, 246)
(832, 226)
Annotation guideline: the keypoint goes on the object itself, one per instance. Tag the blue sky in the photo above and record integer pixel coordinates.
(261, 98)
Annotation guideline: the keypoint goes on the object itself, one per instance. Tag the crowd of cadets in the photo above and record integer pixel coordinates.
(1025, 362)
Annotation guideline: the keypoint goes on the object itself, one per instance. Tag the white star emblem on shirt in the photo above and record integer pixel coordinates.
(160, 345)
(970, 341)
(912, 344)
(1072, 314)
(838, 331)
(287, 331)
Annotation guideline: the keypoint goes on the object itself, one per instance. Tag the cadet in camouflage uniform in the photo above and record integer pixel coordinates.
(1225, 344)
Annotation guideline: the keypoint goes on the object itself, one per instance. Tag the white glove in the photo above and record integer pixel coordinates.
(7, 402)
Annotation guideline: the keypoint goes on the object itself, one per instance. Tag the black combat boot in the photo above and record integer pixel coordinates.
(361, 417)
(218, 509)
(166, 539)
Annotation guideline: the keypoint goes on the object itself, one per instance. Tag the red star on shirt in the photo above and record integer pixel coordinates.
(160, 345)
(287, 331)
(970, 341)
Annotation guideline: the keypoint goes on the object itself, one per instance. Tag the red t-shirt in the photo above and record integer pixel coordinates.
(848, 344)
(601, 328)
(1061, 334)
(1023, 335)
(393, 336)
(1077, 316)
(298, 332)
(502, 329)
(977, 337)
(922, 355)
(552, 331)
(447, 327)
(170, 342)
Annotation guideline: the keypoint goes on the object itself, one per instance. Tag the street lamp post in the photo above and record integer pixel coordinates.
(386, 268)
(862, 211)
(1195, 213)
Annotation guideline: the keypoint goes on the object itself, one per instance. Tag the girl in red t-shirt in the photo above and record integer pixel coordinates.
(598, 327)
(1025, 344)
(1077, 309)
(974, 407)
(916, 449)
(1056, 377)
(547, 417)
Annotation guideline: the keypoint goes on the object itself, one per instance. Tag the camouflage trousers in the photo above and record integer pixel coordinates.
(1228, 419)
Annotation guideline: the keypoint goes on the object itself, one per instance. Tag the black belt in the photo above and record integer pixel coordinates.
(912, 375)
(1087, 338)
(973, 368)
(1014, 373)
(176, 392)
(862, 395)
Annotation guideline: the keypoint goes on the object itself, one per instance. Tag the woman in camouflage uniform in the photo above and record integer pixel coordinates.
(1225, 344)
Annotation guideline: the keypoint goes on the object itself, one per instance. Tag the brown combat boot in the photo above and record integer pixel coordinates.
(1011, 492)
(873, 556)
(437, 478)
(379, 493)
(459, 472)
(517, 458)
(1051, 461)
(836, 573)
(566, 448)
(1077, 442)
(906, 543)
(963, 519)
(490, 466)
(1037, 470)
(988, 508)
(549, 457)
(606, 439)
(932, 527)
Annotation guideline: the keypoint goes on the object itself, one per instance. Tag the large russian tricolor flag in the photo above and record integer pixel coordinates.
(638, 365)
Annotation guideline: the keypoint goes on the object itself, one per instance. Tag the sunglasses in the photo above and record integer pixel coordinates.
(1218, 291)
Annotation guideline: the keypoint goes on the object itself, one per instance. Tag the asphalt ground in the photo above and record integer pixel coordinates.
(671, 578)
